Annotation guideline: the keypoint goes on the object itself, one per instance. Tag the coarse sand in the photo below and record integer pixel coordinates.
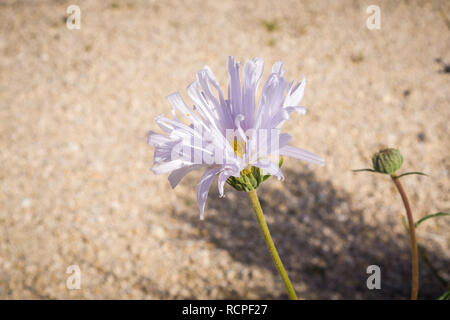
(75, 180)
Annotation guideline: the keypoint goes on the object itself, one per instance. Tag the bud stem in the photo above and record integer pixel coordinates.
(273, 250)
(412, 235)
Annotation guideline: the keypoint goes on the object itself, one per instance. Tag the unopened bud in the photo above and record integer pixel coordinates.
(387, 160)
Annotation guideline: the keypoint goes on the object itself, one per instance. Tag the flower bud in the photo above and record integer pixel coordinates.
(387, 161)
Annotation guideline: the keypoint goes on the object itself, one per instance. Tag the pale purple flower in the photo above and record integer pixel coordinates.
(206, 126)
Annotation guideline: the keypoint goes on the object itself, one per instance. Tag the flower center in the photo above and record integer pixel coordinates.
(239, 147)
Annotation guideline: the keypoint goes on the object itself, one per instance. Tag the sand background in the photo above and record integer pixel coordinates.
(75, 184)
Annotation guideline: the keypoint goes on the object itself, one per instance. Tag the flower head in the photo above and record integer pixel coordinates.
(229, 138)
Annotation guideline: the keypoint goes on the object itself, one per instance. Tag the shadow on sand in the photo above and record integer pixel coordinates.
(324, 242)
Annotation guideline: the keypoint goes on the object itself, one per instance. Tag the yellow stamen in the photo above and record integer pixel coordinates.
(239, 147)
(247, 170)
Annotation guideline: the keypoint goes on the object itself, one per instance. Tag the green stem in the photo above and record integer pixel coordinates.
(273, 251)
(412, 235)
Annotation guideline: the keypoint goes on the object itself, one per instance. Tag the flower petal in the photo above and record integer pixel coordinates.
(278, 68)
(178, 103)
(166, 167)
(253, 71)
(156, 139)
(271, 100)
(284, 114)
(301, 154)
(270, 168)
(203, 188)
(163, 153)
(234, 86)
(204, 108)
(267, 146)
(219, 108)
(177, 175)
(224, 175)
(295, 94)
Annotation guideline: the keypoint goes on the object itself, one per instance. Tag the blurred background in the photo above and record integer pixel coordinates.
(75, 180)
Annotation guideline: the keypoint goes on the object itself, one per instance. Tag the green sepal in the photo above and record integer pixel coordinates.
(249, 180)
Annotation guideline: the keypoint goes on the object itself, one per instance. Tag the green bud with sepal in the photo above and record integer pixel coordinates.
(387, 161)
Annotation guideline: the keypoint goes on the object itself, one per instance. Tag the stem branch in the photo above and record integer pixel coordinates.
(273, 251)
(412, 235)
